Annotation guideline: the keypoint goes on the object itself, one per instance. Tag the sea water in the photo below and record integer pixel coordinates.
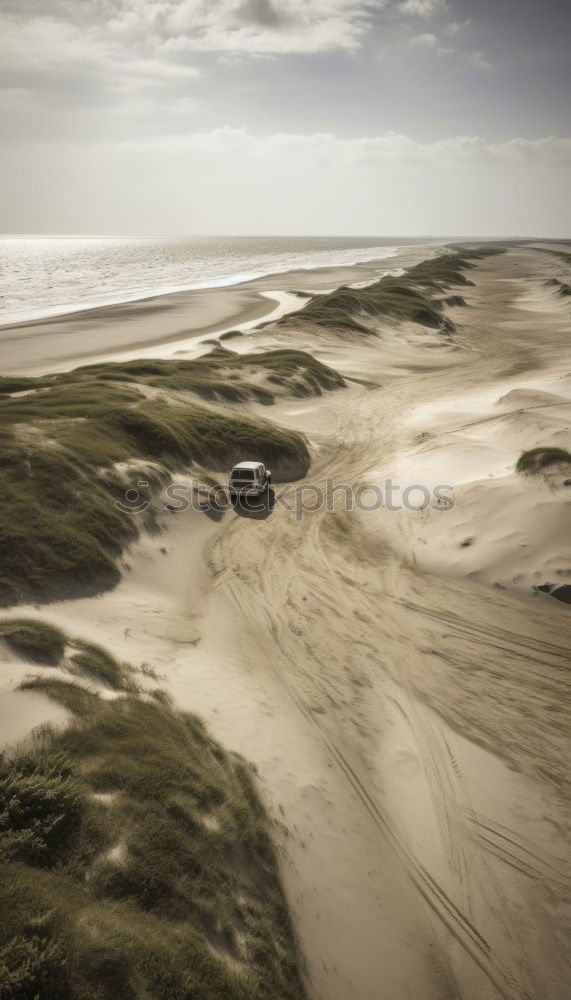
(43, 276)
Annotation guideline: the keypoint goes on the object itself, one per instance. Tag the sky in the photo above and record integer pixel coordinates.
(332, 117)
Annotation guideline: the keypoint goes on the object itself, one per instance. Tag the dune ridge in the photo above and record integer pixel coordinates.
(403, 695)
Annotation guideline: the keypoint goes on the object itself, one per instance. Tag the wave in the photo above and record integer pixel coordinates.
(36, 278)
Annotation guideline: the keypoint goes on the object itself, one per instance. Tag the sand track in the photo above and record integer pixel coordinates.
(349, 627)
(409, 720)
(319, 673)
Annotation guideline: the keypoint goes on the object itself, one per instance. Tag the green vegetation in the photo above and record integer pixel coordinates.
(221, 375)
(33, 640)
(71, 447)
(414, 297)
(135, 862)
(42, 803)
(14, 384)
(224, 375)
(95, 662)
(38, 642)
(562, 288)
(454, 300)
(537, 459)
(230, 335)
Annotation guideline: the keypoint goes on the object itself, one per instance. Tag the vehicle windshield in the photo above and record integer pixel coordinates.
(243, 474)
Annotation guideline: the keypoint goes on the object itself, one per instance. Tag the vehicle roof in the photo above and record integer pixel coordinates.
(247, 465)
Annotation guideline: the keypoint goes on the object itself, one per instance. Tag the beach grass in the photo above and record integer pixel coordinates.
(71, 446)
(96, 663)
(35, 641)
(414, 297)
(561, 287)
(221, 375)
(537, 459)
(230, 335)
(136, 861)
(225, 375)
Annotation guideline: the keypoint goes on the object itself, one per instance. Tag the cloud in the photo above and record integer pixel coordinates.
(426, 41)
(229, 180)
(47, 43)
(109, 47)
(454, 28)
(262, 13)
(326, 148)
(422, 8)
(49, 55)
(479, 60)
(250, 26)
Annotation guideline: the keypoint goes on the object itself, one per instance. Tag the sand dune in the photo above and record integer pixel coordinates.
(163, 325)
(397, 677)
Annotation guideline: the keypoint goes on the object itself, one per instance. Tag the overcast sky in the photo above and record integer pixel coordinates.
(285, 116)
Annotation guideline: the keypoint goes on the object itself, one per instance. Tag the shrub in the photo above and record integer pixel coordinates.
(537, 459)
(32, 965)
(191, 906)
(41, 806)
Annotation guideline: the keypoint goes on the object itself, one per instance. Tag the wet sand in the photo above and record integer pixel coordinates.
(166, 322)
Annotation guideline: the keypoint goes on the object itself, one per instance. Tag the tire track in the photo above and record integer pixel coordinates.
(368, 610)
(462, 929)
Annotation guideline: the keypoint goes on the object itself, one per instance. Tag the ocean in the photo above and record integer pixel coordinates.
(54, 275)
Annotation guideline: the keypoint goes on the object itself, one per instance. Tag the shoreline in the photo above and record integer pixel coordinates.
(220, 282)
(69, 340)
(133, 292)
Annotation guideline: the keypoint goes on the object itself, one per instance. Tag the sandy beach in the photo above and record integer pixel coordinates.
(167, 322)
(399, 678)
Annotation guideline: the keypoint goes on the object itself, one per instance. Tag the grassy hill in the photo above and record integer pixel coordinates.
(135, 856)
